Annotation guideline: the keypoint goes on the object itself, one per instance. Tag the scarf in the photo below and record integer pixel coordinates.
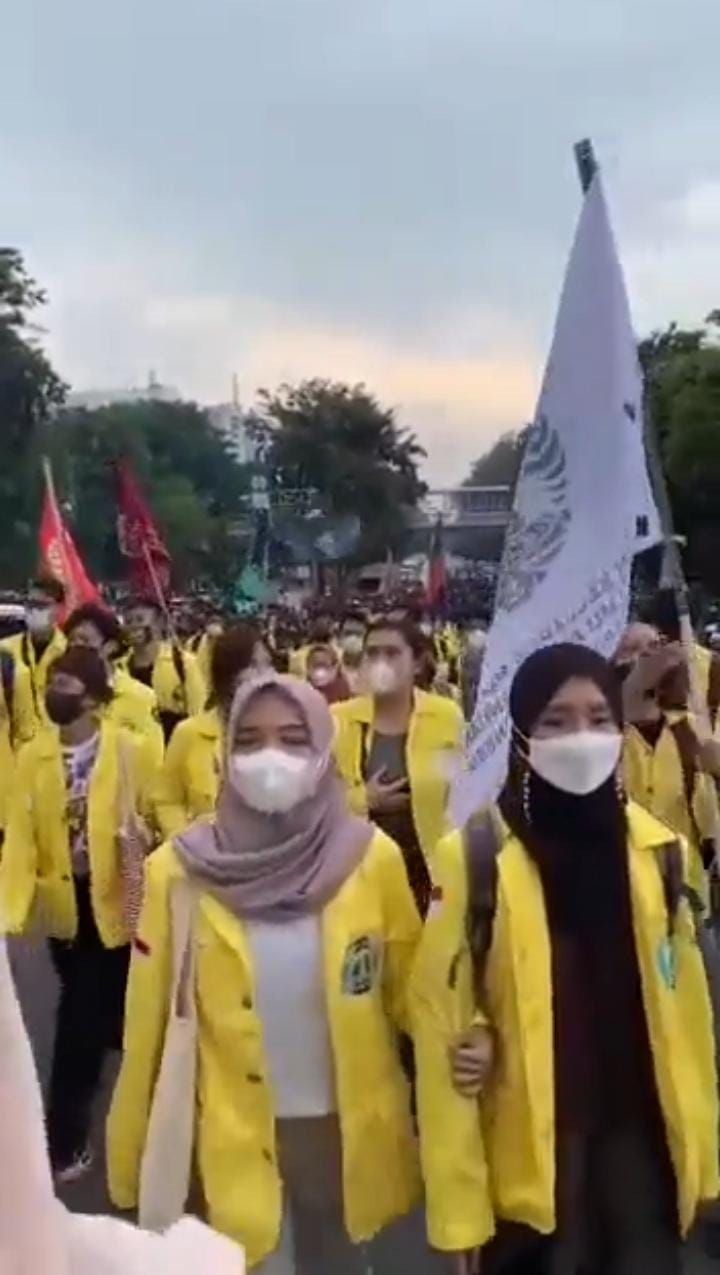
(282, 866)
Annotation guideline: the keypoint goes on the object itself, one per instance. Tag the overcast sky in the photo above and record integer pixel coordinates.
(378, 190)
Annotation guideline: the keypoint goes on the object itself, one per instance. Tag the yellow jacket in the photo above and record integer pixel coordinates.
(36, 884)
(188, 783)
(20, 645)
(503, 1165)
(235, 1138)
(654, 778)
(202, 649)
(434, 741)
(174, 694)
(134, 708)
(17, 726)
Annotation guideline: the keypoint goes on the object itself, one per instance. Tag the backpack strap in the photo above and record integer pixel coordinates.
(7, 675)
(713, 697)
(481, 842)
(672, 873)
(181, 671)
(689, 753)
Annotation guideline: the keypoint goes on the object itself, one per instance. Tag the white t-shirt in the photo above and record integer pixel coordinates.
(290, 994)
(78, 763)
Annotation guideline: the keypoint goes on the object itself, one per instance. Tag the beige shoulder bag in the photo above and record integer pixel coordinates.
(166, 1168)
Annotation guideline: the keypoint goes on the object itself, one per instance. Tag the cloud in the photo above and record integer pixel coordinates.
(381, 190)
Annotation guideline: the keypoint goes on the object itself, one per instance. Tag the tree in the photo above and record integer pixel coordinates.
(682, 375)
(193, 483)
(338, 442)
(499, 466)
(30, 391)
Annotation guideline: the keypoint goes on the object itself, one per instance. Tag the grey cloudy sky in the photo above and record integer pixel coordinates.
(379, 191)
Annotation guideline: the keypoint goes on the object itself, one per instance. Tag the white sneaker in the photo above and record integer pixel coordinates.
(80, 1164)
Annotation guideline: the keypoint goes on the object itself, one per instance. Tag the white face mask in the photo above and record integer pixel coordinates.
(578, 763)
(273, 781)
(381, 677)
(352, 644)
(322, 677)
(39, 619)
(476, 640)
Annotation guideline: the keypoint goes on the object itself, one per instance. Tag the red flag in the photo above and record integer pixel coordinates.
(139, 537)
(59, 555)
(437, 577)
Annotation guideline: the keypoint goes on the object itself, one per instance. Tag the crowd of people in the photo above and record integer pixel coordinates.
(334, 1008)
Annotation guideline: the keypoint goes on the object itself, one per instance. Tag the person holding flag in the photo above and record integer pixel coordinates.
(39, 646)
(162, 664)
(560, 982)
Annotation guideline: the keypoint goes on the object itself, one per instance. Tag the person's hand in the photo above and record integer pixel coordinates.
(386, 796)
(469, 1263)
(641, 685)
(471, 1059)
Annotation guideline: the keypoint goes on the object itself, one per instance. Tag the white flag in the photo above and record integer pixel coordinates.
(583, 505)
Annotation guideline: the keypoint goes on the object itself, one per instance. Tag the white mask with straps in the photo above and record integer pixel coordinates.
(273, 781)
(381, 677)
(577, 763)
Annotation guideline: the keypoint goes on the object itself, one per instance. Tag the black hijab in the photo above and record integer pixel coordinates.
(578, 843)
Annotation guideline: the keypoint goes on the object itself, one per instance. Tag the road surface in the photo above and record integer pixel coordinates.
(402, 1251)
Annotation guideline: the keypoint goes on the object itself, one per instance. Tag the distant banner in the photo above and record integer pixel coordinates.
(583, 506)
(59, 554)
(138, 537)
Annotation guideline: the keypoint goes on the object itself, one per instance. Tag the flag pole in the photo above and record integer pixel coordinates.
(672, 575)
(50, 489)
(158, 590)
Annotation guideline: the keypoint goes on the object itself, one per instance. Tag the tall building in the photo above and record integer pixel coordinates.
(231, 421)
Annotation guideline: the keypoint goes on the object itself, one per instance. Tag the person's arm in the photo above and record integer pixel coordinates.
(146, 1013)
(348, 761)
(24, 721)
(442, 1009)
(171, 810)
(18, 869)
(403, 928)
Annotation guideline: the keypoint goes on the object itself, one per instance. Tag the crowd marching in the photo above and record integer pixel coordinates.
(335, 1008)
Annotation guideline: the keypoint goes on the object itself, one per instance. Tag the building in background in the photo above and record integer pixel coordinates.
(231, 422)
(153, 392)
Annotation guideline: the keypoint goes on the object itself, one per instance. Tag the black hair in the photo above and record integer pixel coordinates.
(54, 588)
(89, 668)
(147, 601)
(232, 654)
(408, 631)
(353, 616)
(106, 623)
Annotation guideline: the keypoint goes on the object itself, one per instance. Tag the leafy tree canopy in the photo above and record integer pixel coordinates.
(498, 466)
(29, 392)
(192, 482)
(339, 442)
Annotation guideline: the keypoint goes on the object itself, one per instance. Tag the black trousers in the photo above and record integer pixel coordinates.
(89, 1023)
(623, 1222)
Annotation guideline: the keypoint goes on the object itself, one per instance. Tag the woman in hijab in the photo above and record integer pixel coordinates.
(595, 1139)
(303, 931)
